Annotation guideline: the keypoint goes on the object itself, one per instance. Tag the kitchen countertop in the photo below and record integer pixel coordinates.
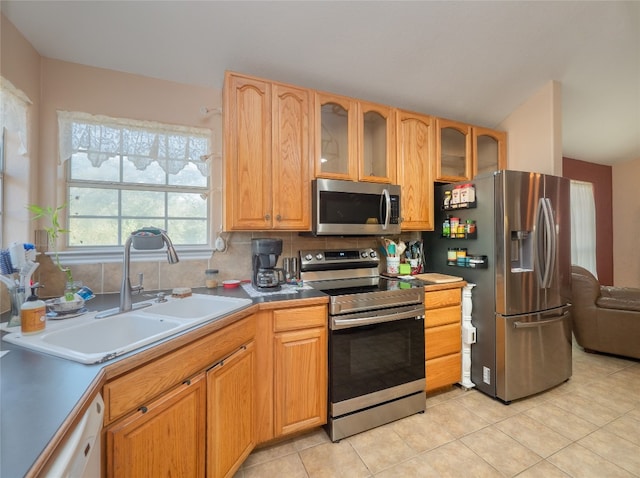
(41, 395)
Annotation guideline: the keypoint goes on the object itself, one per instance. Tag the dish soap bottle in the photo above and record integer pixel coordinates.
(33, 314)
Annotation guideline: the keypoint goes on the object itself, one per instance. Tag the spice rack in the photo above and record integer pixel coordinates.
(466, 235)
(462, 205)
(470, 262)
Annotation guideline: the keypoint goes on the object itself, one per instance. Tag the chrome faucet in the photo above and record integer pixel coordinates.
(125, 288)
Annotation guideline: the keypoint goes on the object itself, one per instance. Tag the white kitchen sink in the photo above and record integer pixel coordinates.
(195, 307)
(89, 340)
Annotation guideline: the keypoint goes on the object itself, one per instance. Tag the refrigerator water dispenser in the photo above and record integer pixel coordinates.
(521, 251)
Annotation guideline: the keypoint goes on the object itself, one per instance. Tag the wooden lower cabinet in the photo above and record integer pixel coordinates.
(230, 412)
(442, 337)
(292, 371)
(300, 380)
(200, 410)
(164, 438)
(163, 423)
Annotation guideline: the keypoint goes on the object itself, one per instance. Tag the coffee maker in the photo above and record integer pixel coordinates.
(264, 257)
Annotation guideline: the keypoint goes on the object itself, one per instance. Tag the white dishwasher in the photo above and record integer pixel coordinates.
(79, 455)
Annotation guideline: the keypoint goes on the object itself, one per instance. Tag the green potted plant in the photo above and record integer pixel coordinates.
(53, 228)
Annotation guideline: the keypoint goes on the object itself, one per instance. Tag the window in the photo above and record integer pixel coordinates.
(123, 175)
(583, 226)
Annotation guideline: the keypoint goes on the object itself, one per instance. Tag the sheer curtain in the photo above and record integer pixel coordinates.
(13, 111)
(583, 226)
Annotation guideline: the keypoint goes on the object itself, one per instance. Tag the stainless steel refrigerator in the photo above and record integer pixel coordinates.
(516, 244)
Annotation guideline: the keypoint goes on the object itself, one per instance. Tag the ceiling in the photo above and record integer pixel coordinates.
(471, 61)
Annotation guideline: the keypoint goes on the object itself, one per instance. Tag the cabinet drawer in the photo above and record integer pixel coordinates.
(443, 371)
(300, 318)
(131, 390)
(444, 340)
(442, 316)
(442, 298)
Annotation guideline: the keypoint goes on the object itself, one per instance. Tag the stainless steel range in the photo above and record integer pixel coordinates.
(376, 340)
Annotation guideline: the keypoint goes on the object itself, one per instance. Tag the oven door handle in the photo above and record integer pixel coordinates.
(347, 322)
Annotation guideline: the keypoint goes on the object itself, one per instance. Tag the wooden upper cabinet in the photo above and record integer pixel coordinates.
(355, 140)
(247, 157)
(415, 169)
(336, 131)
(453, 151)
(489, 150)
(376, 143)
(291, 157)
(267, 155)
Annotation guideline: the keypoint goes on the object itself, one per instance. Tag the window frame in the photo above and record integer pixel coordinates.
(75, 254)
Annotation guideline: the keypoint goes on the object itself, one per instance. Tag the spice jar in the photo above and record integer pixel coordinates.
(210, 278)
(452, 254)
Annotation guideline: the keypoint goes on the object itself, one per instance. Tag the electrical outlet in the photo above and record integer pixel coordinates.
(486, 375)
(220, 244)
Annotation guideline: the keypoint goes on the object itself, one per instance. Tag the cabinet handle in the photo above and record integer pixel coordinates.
(143, 409)
(187, 382)
(267, 217)
(278, 218)
(221, 362)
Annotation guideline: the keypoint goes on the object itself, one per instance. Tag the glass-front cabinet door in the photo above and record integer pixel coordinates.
(453, 151)
(489, 150)
(376, 143)
(336, 144)
(355, 140)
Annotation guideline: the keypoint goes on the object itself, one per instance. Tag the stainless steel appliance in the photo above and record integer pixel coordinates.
(264, 257)
(519, 257)
(357, 209)
(376, 340)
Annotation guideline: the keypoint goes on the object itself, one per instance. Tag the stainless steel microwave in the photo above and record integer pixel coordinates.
(348, 208)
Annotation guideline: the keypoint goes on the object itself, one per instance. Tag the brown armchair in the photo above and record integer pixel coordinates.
(605, 319)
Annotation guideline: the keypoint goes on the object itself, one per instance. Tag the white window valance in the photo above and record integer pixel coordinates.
(13, 108)
(142, 142)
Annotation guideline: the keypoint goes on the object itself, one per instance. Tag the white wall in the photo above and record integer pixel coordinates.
(534, 132)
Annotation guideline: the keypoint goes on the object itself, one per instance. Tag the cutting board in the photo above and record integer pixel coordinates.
(437, 278)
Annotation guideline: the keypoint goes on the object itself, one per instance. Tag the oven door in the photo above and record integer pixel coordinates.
(373, 363)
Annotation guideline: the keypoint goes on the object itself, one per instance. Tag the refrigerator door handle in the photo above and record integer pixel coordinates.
(539, 323)
(545, 243)
(552, 249)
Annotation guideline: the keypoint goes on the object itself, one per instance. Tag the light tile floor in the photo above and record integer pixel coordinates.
(586, 427)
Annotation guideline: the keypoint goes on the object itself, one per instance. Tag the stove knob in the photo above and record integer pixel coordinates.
(373, 254)
(319, 256)
(308, 257)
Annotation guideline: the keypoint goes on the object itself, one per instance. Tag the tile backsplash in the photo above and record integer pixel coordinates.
(234, 263)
